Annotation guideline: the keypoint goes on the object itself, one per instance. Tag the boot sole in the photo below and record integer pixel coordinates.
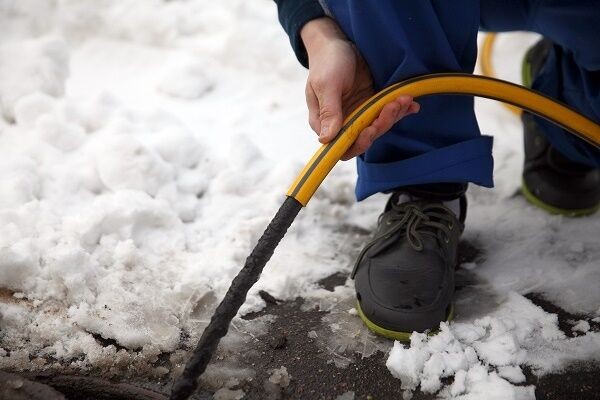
(391, 334)
(536, 201)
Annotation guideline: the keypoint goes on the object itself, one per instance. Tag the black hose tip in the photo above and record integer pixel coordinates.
(182, 389)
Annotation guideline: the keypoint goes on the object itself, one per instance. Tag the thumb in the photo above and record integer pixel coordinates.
(330, 113)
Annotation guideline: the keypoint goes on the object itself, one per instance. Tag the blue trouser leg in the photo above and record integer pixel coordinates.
(400, 39)
(442, 143)
(572, 70)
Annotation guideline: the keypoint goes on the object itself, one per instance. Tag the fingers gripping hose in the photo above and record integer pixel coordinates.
(328, 155)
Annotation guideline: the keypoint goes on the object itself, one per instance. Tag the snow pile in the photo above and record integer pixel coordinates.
(124, 233)
(128, 203)
(89, 219)
(484, 356)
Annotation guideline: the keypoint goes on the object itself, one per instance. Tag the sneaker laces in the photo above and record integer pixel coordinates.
(431, 219)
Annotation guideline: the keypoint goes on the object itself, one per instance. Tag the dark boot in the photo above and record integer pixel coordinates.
(404, 277)
(550, 180)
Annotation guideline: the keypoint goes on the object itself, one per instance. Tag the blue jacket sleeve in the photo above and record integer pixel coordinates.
(293, 14)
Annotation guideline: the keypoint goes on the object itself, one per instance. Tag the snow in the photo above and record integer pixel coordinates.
(118, 220)
(228, 394)
(185, 79)
(346, 396)
(581, 326)
(280, 377)
(144, 146)
(278, 380)
(31, 66)
(489, 349)
(512, 373)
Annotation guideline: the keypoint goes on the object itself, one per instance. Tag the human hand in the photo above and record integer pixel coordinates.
(339, 80)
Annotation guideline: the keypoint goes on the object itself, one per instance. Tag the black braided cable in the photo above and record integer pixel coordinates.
(187, 383)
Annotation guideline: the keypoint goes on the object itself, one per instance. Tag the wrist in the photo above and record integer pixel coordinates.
(319, 31)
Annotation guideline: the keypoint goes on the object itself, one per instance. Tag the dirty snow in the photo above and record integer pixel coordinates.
(278, 380)
(144, 146)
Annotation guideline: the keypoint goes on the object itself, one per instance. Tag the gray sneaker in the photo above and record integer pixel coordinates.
(404, 277)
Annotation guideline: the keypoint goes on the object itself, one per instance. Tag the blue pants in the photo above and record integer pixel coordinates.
(442, 143)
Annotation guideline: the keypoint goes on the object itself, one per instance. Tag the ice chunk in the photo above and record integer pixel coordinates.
(407, 363)
(512, 373)
(468, 266)
(346, 396)
(277, 382)
(459, 386)
(228, 394)
(503, 349)
(581, 326)
(280, 377)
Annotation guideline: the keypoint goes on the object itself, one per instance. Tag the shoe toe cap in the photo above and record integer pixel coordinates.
(405, 298)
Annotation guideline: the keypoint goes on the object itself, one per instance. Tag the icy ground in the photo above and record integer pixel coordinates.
(144, 146)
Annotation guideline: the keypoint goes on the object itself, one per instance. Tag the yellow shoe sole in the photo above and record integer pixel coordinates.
(555, 210)
(394, 335)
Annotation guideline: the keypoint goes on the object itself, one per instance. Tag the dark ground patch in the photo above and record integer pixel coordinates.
(566, 319)
(329, 283)
(581, 382)
(314, 378)
(469, 252)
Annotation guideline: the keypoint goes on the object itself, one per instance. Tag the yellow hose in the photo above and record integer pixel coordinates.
(328, 155)
(487, 67)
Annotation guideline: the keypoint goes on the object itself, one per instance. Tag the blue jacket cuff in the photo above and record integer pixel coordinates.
(293, 14)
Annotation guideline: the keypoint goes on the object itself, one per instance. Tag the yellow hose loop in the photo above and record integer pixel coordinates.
(328, 155)
(487, 67)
